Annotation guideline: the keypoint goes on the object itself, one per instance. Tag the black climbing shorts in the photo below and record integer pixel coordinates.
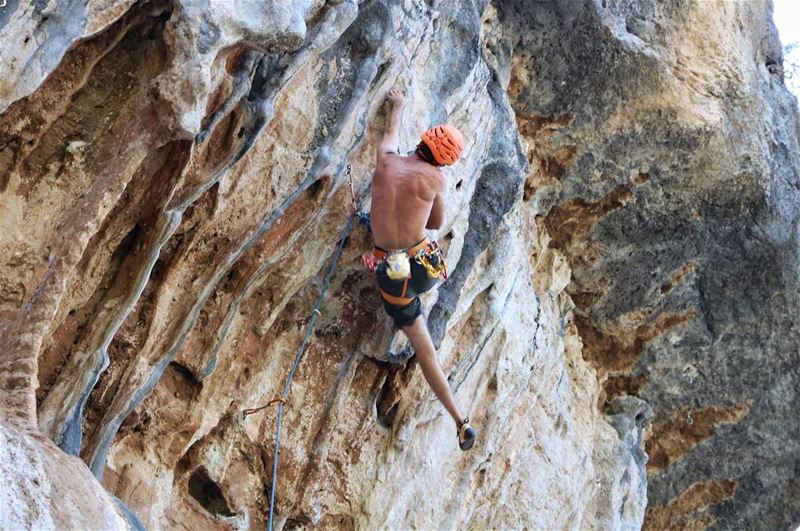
(419, 282)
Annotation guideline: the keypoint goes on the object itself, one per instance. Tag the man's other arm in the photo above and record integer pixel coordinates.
(436, 217)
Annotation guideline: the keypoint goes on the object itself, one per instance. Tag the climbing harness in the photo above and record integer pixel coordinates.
(426, 253)
(315, 313)
(380, 253)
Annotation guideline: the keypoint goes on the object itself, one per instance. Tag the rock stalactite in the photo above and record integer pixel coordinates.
(620, 320)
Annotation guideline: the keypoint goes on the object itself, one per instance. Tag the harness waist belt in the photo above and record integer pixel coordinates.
(380, 254)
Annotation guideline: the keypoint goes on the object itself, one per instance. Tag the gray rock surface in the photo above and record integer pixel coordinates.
(668, 155)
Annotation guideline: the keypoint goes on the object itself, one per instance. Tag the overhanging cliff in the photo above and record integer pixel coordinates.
(622, 235)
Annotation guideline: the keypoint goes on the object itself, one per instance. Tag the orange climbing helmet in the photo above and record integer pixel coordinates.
(445, 142)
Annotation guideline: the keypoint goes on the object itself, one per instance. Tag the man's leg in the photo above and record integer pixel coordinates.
(420, 339)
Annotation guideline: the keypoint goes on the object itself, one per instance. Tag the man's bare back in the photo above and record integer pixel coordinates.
(407, 192)
(404, 190)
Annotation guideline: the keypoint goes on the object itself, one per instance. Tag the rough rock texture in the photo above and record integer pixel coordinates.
(669, 153)
(42, 488)
(622, 237)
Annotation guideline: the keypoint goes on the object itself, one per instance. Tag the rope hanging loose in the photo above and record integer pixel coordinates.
(315, 314)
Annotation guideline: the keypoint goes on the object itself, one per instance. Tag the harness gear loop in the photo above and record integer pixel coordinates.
(432, 259)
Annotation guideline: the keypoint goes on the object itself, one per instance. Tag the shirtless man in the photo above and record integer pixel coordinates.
(407, 198)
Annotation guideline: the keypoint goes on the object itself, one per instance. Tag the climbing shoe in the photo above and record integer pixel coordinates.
(466, 435)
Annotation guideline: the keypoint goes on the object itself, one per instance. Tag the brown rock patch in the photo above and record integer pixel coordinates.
(573, 219)
(534, 124)
(678, 276)
(685, 429)
(687, 511)
(624, 384)
(617, 350)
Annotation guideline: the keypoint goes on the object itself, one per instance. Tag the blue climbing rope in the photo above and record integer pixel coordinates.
(315, 313)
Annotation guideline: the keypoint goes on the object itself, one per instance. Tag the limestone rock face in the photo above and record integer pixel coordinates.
(621, 235)
(42, 488)
(668, 161)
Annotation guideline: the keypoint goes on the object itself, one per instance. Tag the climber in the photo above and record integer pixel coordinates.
(407, 198)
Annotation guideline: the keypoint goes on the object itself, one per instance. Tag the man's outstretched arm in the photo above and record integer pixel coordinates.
(391, 136)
